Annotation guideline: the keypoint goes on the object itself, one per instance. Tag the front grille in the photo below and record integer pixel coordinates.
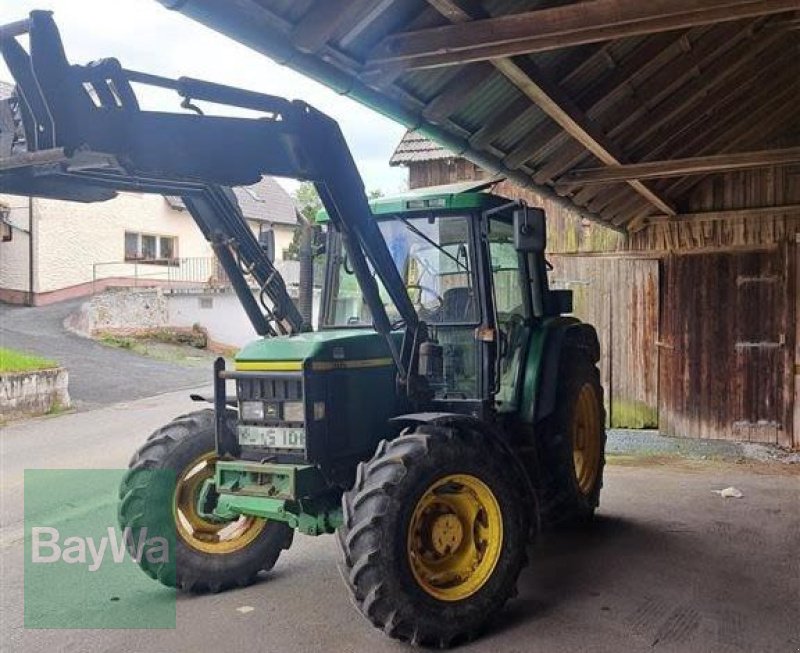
(270, 389)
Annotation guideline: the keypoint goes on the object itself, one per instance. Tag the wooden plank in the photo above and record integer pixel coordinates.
(680, 167)
(730, 214)
(635, 305)
(794, 295)
(560, 27)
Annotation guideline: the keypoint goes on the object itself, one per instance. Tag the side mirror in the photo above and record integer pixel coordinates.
(530, 233)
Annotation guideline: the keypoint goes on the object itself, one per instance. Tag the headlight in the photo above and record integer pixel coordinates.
(293, 411)
(251, 411)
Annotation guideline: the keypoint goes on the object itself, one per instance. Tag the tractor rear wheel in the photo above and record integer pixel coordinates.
(210, 554)
(572, 444)
(434, 535)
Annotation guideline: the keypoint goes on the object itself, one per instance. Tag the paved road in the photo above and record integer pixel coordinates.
(669, 567)
(98, 375)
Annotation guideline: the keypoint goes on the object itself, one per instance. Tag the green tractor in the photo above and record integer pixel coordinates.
(443, 411)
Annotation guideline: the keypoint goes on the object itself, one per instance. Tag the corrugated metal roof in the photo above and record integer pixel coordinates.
(639, 97)
(264, 201)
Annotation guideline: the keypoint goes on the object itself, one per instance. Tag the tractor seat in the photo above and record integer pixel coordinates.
(458, 305)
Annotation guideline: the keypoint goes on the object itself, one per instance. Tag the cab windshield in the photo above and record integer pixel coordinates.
(435, 260)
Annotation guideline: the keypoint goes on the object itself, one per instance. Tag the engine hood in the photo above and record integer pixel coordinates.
(339, 348)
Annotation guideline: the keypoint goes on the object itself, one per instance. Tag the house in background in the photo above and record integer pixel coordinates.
(690, 359)
(52, 250)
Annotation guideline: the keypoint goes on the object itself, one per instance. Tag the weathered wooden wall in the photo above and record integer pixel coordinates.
(442, 171)
(697, 319)
(620, 298)
(727, 350)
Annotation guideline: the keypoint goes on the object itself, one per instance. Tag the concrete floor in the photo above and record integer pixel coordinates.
(670, 566)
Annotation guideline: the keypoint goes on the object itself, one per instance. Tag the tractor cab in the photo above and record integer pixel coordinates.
(476, 285)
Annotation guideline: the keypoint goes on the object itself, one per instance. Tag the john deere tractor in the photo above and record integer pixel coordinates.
(444, 409)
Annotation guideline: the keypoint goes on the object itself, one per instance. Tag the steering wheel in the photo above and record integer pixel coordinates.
(439, 299)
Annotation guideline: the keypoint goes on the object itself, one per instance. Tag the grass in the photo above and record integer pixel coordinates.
(160, 346)
(12, 360)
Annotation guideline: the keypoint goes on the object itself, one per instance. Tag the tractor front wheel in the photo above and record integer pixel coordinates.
(210, 554)
(434, 535)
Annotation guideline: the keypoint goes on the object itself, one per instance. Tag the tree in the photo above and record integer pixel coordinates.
(307, 200)
(309, 204)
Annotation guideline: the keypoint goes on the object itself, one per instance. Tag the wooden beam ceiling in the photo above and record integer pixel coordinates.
(680, 167)
(640, 117)
(556, 27)
(527, 77)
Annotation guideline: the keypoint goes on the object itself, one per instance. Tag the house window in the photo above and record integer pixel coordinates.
(160, 250)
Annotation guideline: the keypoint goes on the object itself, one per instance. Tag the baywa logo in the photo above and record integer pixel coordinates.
(47, 547)
(81, 569)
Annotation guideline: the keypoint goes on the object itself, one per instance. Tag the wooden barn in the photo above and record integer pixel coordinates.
(668, 359)
(672, 125)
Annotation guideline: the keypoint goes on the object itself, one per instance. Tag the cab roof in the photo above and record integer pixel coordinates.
(466, 195)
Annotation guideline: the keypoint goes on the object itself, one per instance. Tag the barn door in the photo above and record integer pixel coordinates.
(724, 356)
(634, 357)
(759, 350)
(619, 297)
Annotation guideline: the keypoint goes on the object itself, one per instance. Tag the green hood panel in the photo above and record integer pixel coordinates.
(331, 345)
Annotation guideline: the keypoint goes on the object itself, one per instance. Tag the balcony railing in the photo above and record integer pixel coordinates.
(189, 273)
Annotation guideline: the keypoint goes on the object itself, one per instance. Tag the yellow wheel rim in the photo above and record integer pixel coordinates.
(199, 533)
(455, 537)
(586, 445)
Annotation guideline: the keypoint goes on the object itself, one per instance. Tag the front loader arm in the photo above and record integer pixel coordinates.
(86, 138)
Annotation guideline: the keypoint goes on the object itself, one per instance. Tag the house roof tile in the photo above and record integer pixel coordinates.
(264, 201)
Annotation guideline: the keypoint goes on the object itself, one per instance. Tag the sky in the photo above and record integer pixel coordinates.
(145, 36)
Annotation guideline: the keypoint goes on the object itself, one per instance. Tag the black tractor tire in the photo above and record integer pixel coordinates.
(374, 538)
(147, 502)
(562, 500)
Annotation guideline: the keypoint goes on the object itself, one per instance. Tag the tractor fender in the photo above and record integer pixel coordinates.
(492, 434)
(560, 336)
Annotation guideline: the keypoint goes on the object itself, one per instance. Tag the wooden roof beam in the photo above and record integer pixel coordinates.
(752, 117)
(730, 214)
(680, 167)
(767, 120)
(638, 125)
(526, 76)
(556, 27)
(598, 97)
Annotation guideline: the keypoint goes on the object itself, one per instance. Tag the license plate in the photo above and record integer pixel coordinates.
(279, 437)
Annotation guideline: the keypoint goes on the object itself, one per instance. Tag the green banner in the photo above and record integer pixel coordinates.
(81, 570)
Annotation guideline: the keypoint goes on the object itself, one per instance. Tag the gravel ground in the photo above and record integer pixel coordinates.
(652, 443)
